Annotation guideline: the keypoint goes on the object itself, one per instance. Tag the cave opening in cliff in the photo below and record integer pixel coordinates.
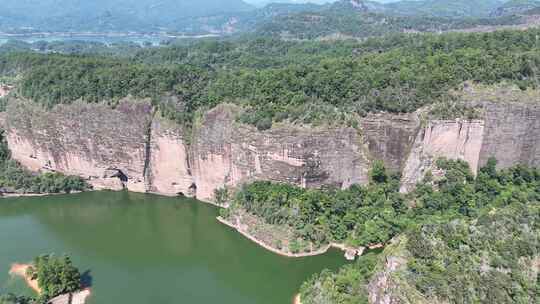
(122, 176)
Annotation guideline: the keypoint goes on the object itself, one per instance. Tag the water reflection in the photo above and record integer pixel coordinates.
(148, 249)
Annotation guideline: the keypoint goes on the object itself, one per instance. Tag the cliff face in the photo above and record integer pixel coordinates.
(168, 167)
(389, 137)
(91, 140)
(451, 139)
(510, 132)
(226, 153)
(130, 147)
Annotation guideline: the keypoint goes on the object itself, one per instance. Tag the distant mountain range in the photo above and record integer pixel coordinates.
(109, 15)
(236, 16)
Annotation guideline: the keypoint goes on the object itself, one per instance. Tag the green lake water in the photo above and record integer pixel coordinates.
(147, 249)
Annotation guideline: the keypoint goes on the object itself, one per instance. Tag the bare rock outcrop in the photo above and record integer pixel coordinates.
(5, 89)
(129, 147)
(82, 139)
(226, 153)
(508, 131)
(389, 137)
(168, 167)
(456, 139)
(388, 286)
(512, 133)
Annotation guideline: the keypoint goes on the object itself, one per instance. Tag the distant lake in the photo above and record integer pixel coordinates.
(141, 249)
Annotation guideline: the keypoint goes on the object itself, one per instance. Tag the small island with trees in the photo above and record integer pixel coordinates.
(55, 280)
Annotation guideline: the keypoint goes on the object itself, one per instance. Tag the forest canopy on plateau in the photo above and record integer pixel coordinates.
(276, 80)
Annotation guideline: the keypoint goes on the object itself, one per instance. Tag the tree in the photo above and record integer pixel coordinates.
(378, 173)
(55, 275)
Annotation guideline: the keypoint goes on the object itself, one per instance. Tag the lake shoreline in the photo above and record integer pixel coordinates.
(270, 248)
(350, 253)
(78, 297)
(185, 243)
(15, 195)
(21, 271)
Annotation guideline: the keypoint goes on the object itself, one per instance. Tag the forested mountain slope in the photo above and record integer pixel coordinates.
(116, 15)
(445, 8)
(469, 240)
(515, 7)
(351, 18)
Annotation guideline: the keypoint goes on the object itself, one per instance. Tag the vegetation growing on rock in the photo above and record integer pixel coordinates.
(469, 240)
(358, 216)
(14, 178)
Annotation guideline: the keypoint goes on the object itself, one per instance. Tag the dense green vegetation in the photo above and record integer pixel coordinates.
(345, 20)
(358, 216)
(447, 8)
(73, 47)
(366, 215)
(55, 276)
(471, 240)
(275, 80)
(13, 299)
(14, 178)
(488, 260)
(347, 286)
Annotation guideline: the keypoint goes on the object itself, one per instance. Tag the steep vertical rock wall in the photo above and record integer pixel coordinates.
(508, 131)
(512, 134)
(389, 137)
(451, 139)
(168, 167)
(90, 140)
(130, 147)
(226, 153)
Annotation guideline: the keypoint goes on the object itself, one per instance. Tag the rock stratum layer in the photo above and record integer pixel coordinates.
(132, 147)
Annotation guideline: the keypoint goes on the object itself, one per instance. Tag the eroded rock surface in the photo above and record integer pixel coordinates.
(389, 137)
(130, 147)
(512, 134)
(82, 139)
(169, 171)
(456, 139)
(226, 153)
(389, 286)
